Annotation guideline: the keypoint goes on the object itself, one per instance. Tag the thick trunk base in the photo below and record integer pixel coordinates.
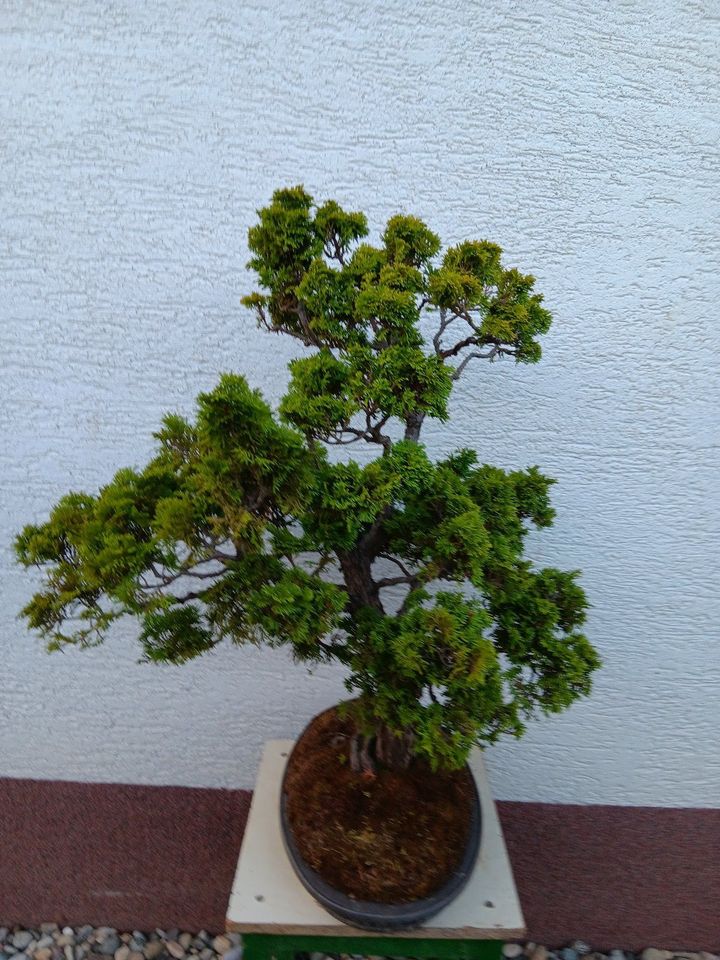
(383, 748)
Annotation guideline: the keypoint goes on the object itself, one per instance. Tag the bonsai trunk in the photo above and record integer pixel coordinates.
(356, 566)
(381, 748)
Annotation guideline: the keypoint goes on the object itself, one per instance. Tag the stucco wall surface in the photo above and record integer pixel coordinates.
(136, 142)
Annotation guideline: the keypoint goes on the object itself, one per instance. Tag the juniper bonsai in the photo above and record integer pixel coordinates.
(408, 570)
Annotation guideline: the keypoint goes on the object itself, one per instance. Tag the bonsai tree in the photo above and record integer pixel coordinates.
(407, 570)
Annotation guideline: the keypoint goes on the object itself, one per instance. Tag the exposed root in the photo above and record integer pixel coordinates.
(384, 748)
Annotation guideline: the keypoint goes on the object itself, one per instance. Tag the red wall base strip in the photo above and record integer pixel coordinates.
(137, 857)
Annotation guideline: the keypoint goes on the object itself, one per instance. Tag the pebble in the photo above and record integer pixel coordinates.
(652, 954)
(221, 944)
(511, 950)
(153, 949)
(175, 949)
(569, 954)
(22, 939)
(234, 954)
(123, 952)
(580, 947)
(109, 945)
(539, 953)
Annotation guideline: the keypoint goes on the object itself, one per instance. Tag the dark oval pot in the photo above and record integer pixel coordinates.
(383, 917)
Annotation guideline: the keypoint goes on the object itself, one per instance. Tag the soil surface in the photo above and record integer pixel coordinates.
(392, 838)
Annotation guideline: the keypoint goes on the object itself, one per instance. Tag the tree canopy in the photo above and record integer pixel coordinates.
(409, 571)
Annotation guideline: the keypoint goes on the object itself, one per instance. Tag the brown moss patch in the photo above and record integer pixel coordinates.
(394, 838)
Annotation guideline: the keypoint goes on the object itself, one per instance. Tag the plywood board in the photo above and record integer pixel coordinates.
(267, 897)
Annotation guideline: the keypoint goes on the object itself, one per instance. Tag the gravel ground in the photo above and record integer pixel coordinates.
(51, 942)
(579, 950)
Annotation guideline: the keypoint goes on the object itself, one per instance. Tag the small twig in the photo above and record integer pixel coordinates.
(393, 581)
(320, 565)
(193, 595)
(398, 563)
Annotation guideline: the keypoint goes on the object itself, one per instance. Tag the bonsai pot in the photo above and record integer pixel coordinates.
(347, 905)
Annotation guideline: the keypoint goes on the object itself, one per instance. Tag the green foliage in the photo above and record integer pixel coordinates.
(187, 544)
(408, 570)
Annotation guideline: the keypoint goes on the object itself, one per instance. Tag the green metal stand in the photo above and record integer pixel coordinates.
(272, 946)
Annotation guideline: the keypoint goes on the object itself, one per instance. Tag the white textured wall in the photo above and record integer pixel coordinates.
(137, 139)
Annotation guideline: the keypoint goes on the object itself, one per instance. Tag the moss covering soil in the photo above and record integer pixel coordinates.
(392, 838)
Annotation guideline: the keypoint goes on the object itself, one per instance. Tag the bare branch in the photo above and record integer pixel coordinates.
(166, 578)
(202, 576)
(262, 316)
(371, 434)
(193, 595)
(393, 581)
(220, 556)
(472, 341)
(336, 441)
(374, 430)
(497, 351)
(312, 340)
(335, 252)
(398, 563)
(445, 322)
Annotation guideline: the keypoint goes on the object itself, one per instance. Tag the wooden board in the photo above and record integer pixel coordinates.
(268, 898)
